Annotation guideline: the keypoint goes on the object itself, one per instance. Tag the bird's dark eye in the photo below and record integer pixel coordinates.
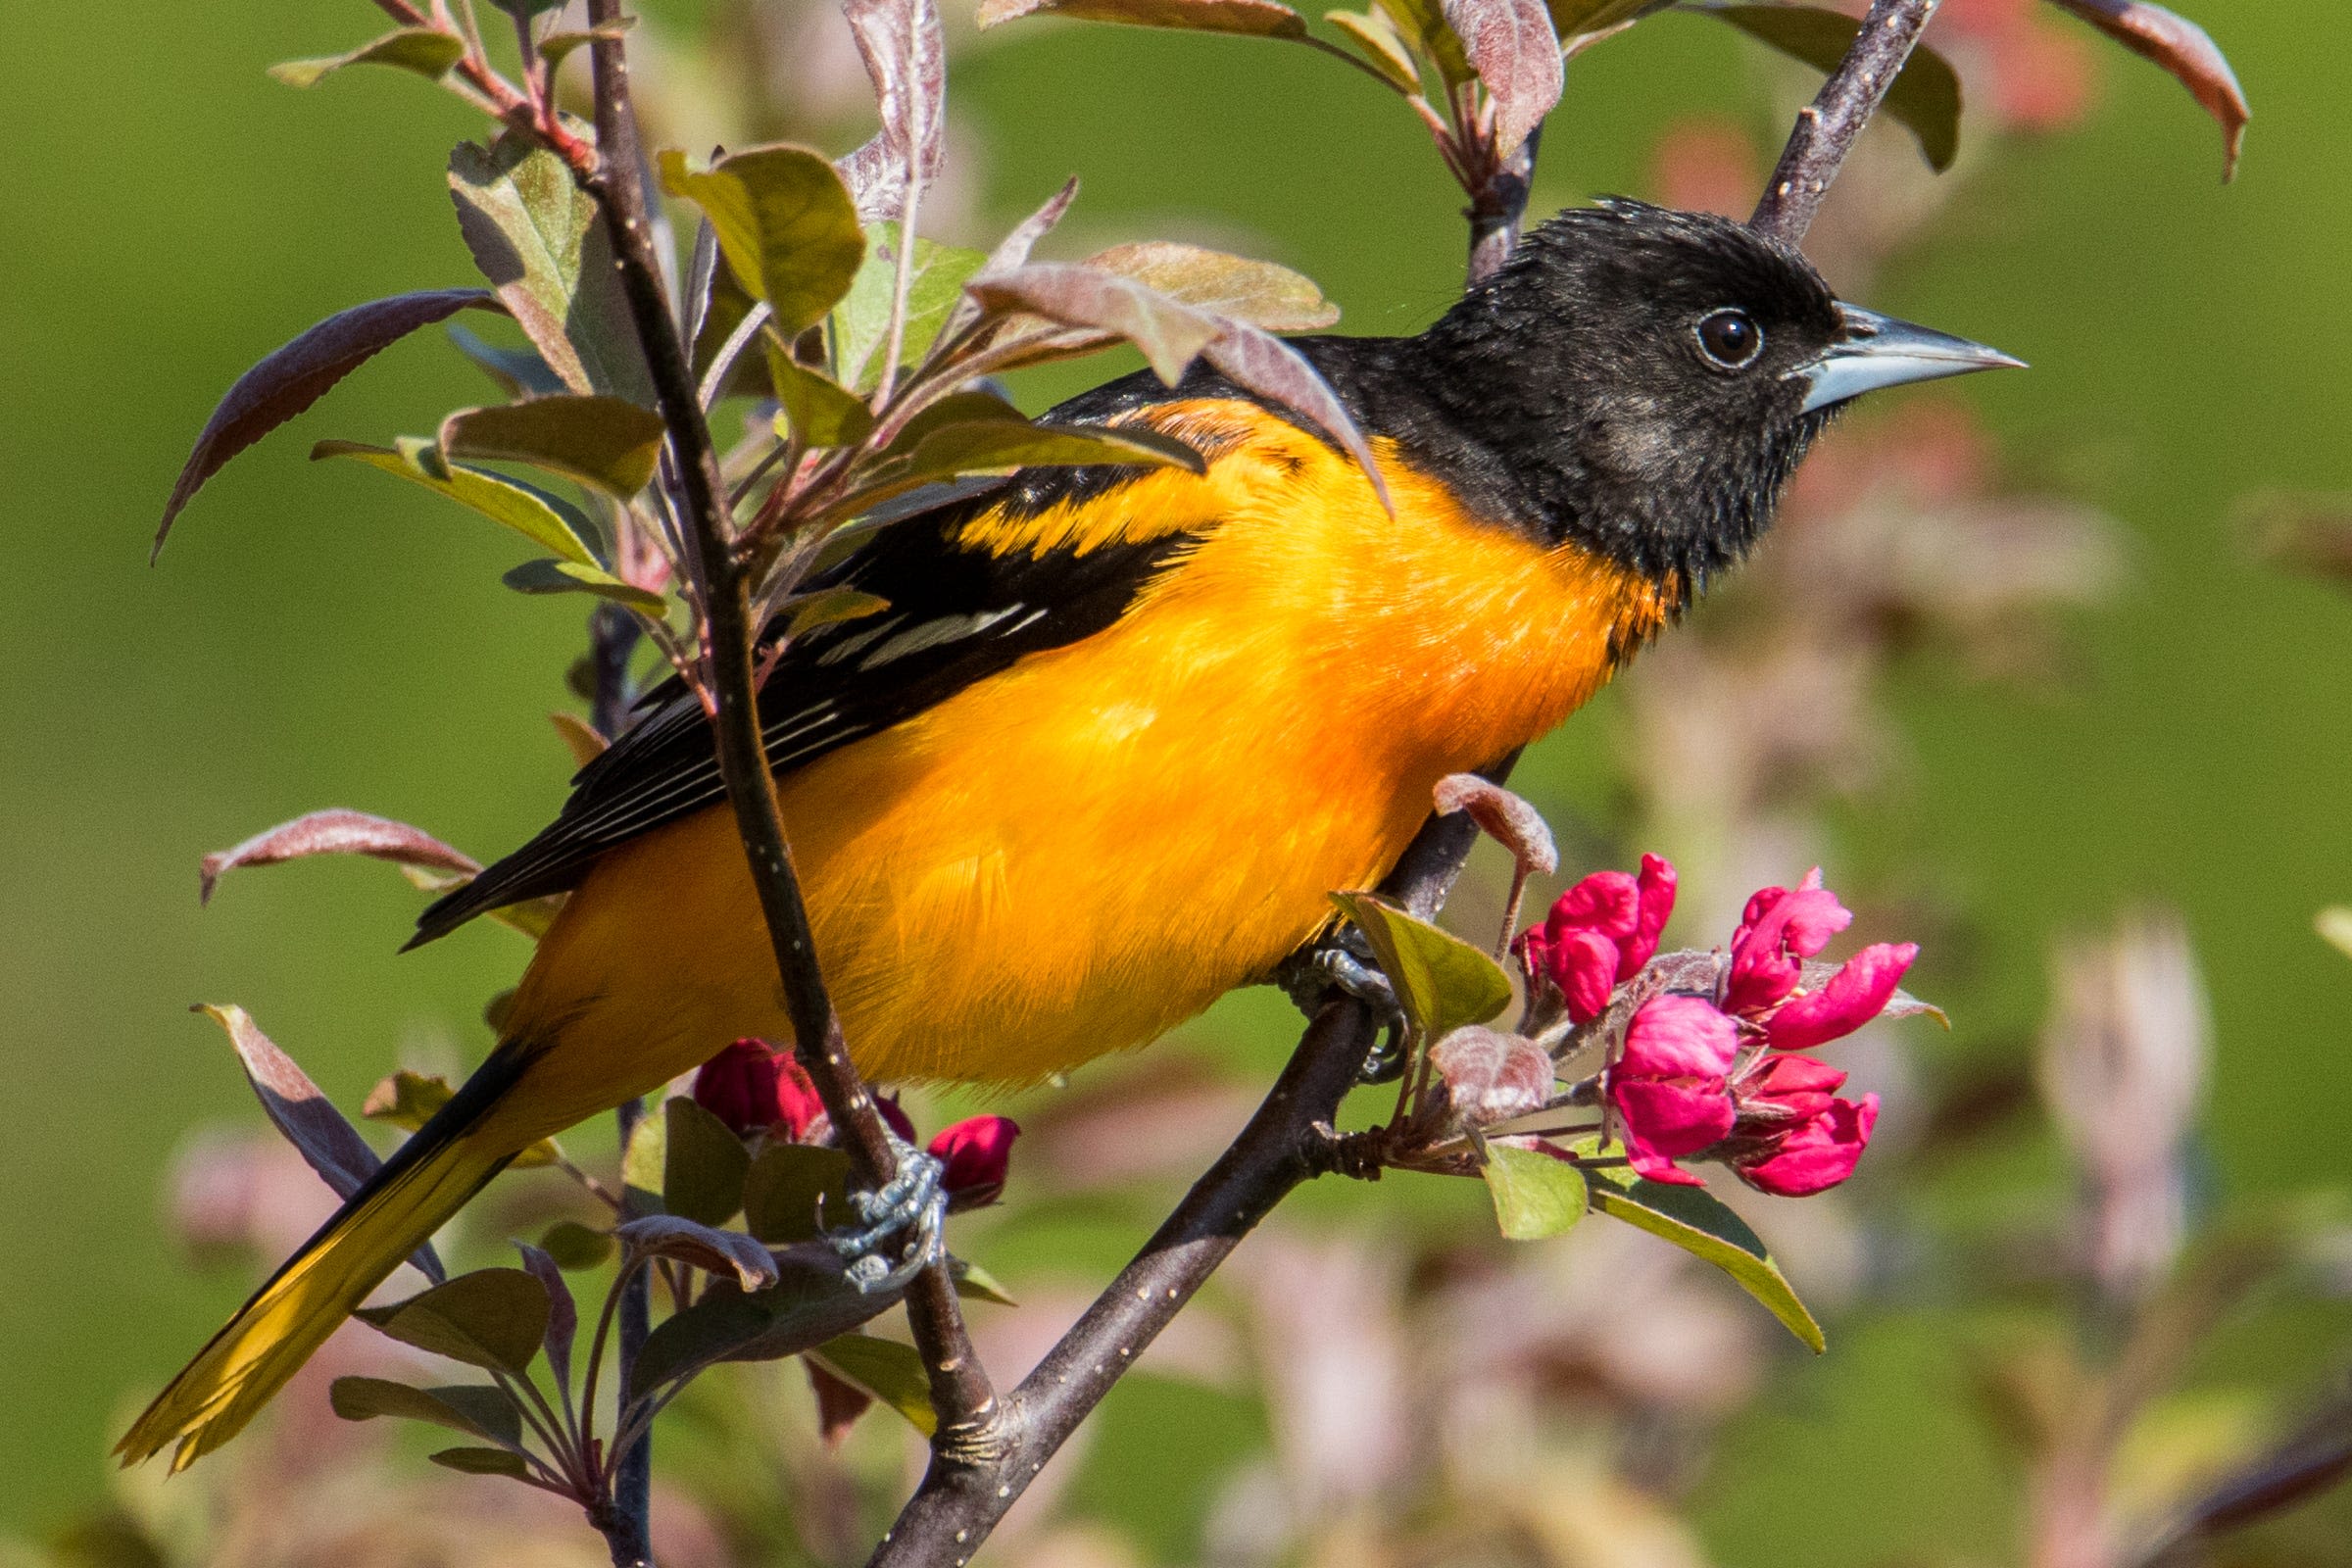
(1731, 338)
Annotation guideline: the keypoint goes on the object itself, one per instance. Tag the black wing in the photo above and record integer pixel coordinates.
(956, 616)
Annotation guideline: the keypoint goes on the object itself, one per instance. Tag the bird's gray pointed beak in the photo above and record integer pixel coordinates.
(1879, 351)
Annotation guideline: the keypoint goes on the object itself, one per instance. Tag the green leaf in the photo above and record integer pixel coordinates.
(1699, 1224)
(893, 1373)
(1257, 19)
(545, 577)
(1262, 293)
(557, 47)
(785, 223)
(408, 1100)
(575, 1246)
(1423, 24)
(1381, 45)
(817, 409)
(805, 612)
(1925, 98)
(426, 51)
(599, 440)
(475, 1409)
(1442, 981)
(861, 323)
(543, 244)
(996, 443)
(482, 1461)
(791, 1190)
(492, 1317)
(978, 1283)
(641, 1165)
(546, 520)
(1535, 1194)
(703, 1164)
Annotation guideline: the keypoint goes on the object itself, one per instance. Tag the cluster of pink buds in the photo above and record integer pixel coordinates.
(1721, 1076)
(754, 1088)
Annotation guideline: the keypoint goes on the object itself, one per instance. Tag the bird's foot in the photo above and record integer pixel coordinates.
(1342, 959)
(899, 1228)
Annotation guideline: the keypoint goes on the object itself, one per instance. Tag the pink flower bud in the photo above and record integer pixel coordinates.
(1784, 1091)
(1669, 1087)
(1781, 929)
(1849, 998)
(739, 1086)
(1654, 906)
(1815, 1154)
(977, 1151)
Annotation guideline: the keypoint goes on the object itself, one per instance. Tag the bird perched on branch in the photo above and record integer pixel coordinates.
(1120, 730)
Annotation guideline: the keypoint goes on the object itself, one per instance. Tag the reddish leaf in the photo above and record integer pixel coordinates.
(1260, 293)
(1170, 335)
(1261, 363)
(905, 55)
(297, 375)
(328, 1144)
(1503, 818)
(1258, 18)
(839, 1404)
(703, 1246)
(2183, 48)
(1511, 45)
(338, 832)
(1492, 1076)
(1014, 249)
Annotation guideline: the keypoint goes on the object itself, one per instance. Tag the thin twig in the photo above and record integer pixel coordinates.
(960, 1388)
(1827, 126)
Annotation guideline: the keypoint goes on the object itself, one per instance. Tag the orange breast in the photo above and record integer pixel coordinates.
(1072, 855)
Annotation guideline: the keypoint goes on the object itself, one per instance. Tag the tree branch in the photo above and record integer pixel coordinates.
(960, 1388)
(1827, 126)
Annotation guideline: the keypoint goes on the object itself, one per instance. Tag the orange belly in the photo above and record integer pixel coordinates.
(1070, 856)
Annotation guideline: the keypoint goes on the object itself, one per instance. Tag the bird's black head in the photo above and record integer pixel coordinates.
(1647, 380)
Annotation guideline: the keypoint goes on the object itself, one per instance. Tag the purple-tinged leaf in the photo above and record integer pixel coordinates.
(297, 375)
(472, 1408)
(793, 1191)
(839, 1404)
(427, 51)
(492, 1317)
(2183, 48)
(1170, 335)
(702, 1165)
(905, 54)
(703, 1247)
(519, 373)
(1260, 293)
(335, 832)
(1505, 817)
(543, 244)
(328, 1144)
(1512, 46)
(602, 441)
(482, 1463)
(812, 1302)
(1492, 1076)
(1257, 19)
(409, 1100)
(1261, 363)
(1424, 26)
(563, 1313)
(1014, 249)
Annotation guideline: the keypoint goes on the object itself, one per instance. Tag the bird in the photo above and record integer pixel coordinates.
(1120, 731)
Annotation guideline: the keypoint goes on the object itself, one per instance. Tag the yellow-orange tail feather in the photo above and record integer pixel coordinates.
(273, 1333)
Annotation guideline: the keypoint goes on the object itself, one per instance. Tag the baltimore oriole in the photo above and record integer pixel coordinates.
(1120, 731)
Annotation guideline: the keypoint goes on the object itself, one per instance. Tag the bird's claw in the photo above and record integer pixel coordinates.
(1343, 960)
(914, 1206)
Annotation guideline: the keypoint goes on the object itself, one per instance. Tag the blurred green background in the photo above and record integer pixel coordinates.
(314, 637)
